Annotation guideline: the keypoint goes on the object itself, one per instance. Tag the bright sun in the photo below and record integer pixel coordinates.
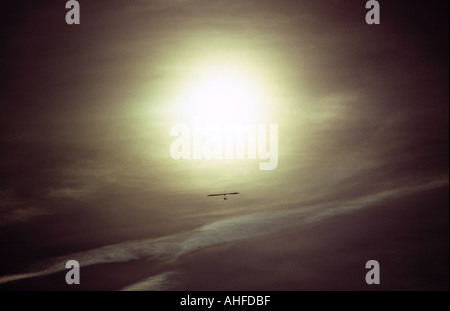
(224, 95)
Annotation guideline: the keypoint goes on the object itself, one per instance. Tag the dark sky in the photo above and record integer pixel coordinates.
(86, 112)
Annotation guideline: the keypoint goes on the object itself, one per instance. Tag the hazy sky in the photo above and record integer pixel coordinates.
(86, 112)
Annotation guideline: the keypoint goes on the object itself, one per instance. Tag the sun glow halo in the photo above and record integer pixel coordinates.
(224, 96)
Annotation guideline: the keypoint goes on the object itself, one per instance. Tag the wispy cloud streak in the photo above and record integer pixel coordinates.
(172, 247)
(154, 283)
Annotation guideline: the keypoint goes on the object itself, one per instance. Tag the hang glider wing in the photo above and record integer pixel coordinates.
(218, 194)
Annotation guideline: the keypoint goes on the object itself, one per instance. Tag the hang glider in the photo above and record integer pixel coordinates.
(224, 194)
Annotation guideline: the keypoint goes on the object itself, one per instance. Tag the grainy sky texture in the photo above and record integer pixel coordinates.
(86, 171)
